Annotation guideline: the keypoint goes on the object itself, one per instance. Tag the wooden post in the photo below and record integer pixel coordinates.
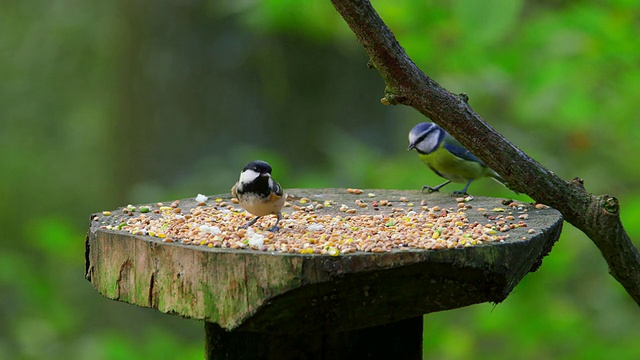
(270, 305)
(397, 340)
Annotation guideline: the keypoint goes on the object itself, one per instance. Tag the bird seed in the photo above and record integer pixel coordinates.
(322, 227)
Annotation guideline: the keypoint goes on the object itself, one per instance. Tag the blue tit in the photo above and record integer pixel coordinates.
(447, 157)
(258, 193)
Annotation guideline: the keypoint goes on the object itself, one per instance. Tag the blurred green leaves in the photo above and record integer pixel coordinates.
(151, 344)
(108, 103)
(55, 236)
(483, 23)
(314, 20)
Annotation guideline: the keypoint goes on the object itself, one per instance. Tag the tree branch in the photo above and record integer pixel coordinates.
(597, 216)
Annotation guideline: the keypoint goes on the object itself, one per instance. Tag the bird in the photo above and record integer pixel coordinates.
(258, 193)
(447, 157)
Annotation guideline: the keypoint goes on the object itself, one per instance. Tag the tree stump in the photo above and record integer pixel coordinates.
(274, 305)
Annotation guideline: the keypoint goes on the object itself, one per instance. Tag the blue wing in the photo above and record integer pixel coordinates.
(453, 146)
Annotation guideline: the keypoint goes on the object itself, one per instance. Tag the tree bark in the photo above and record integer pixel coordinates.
(597, 216)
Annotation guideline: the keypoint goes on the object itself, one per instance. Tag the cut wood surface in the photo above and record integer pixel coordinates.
(269, 291)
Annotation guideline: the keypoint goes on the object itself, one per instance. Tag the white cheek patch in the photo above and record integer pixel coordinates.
(248, 176)
(412, 138)
(429, 143)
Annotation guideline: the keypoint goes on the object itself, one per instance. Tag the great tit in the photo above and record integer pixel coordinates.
(258, 193)
(447, 157)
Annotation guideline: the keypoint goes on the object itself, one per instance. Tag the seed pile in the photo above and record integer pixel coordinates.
(325, 227)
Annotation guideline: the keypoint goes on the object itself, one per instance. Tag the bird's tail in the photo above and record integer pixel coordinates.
(499, 179)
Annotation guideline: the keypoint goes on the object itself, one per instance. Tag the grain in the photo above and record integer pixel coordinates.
(316, 227)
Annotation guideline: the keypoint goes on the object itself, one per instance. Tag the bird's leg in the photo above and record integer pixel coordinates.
(275, 227)
(250, 223)
(463, 191)
(433, 189)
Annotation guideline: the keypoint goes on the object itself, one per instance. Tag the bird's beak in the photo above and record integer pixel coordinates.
(411, 146)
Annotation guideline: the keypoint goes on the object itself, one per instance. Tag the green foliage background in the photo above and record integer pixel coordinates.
(108, 103)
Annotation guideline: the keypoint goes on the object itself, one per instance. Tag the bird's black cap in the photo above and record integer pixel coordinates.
(258, 166)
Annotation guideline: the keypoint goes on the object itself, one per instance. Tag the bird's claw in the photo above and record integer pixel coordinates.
(272, 229)
(429, 189)
(459, 192)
